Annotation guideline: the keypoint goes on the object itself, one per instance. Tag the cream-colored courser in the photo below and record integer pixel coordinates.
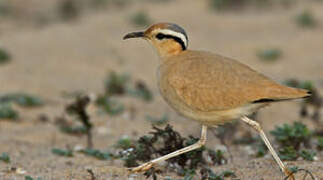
(209, 88)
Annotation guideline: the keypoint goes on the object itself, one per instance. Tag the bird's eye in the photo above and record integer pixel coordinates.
(160, 36)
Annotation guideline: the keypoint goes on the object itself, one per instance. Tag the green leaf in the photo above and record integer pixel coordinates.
(124, 143)
(288, 153)
(294, 135)
(97, 154)
(7, 112)
(140, 18)
(141, 91)
(320, 143)
(158, 121)
(269, 54)
(61, 152)
(28, 178)
(4, 55)
(115, 83)
(110, 106)
(189, 174)
(5, 157)
(22, 99)
(306, 19)
(307, 155)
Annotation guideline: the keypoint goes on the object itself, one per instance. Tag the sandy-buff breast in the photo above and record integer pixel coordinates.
(204, 83)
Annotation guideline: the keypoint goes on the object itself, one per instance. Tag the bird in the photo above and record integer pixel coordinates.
(209, 88)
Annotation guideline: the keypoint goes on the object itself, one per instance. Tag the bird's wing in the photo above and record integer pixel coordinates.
(217, 83)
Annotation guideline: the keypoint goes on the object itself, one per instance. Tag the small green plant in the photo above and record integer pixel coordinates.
(189, 174)
(5, 158)
(4, 55)
(158, 121)
(161, 142)
(7, 112)
(320, 143)
(141, 91)
(208, 174)
(69, 9)
(140, 19)
(315, 100)
(124, 143)
(293, 136)
(100, 3)
(4, 8)
(307, 155)
(269, 54)
(110, 105)
(217, 157)
(97, 154)
(22, 99)
(227, 4)
(30, 178)
(116, 84)
(288, 153)
(73, 130)
(78, 109)
(62, 152)
(306, 19)
(300, 84)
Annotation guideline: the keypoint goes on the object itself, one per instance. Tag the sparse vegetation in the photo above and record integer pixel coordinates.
(4, 55)
(5, 158)
(141, 91)
(116, 85)
(4, 8)
(97, 154)
(307, 154)
(221, 5)
(269, 54)
(62, 152)
(294, 136)
(7, 112)
(22, 99)
(306, 19)
(29, 140)
(140, 19)
(292, 139)
(315, 100)
(110, 105)
(30, 178)
(158, 121)
(78, 110)
(165, 141)
(69, 9)
(288, 153)
(320, 143)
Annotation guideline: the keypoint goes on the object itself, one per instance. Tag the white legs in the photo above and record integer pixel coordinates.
(197, 145)
(202, 141)
(257, 127)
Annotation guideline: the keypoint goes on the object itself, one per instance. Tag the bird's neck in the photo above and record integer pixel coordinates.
(168, 50)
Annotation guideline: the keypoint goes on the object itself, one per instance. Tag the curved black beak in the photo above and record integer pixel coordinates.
(134, 35)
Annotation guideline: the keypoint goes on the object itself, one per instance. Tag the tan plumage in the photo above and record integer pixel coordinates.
(209, 88)
(209, 82)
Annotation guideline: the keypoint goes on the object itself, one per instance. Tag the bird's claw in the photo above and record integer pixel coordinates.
(142, 168)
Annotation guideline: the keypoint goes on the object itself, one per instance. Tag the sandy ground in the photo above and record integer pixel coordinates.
(67, 57)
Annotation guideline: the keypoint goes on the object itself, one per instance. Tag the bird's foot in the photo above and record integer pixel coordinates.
(142, 168)
(289, 174)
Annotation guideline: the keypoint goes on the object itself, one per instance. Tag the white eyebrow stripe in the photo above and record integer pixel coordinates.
(174, 33)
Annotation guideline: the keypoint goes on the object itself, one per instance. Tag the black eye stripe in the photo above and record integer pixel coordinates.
(161, 36)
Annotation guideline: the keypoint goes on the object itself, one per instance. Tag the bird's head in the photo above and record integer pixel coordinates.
(168, 39)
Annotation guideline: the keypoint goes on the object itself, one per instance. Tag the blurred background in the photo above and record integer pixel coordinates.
(53, 53)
